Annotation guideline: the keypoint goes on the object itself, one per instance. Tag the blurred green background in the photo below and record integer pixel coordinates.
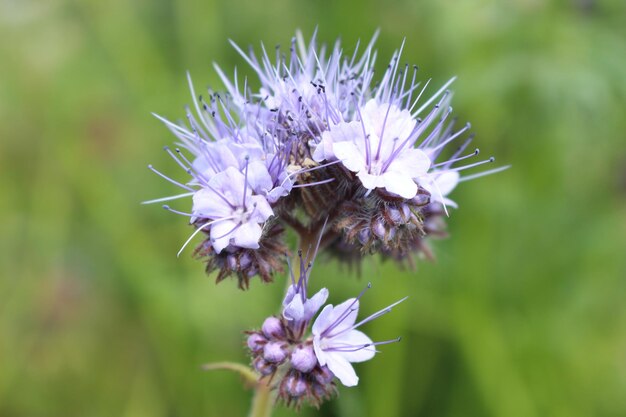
(522, 315)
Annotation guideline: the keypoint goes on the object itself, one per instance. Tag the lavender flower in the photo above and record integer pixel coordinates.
(378, 148)
(233, 213)
(298, 309)
(337, 343)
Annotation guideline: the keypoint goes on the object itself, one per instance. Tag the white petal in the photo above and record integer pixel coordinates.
(295, 309)
(370, 181)
(323, 320)
(324, 149)
(262, 209)
(399, 184)
(291, 292)
(221, 232)
(411, 162)
(350, 156)
(206, 203)
(447, 181)
(342, 369)
(314, 303)
(247, 235)
(258, 178)
(356, 339)
(230, 183)
(319, 352)
(343, 316)
(449, 203)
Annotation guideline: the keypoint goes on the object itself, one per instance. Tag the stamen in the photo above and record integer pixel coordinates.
(487, 161)
(346, 312)
(437, 94)
(379, 313)
(195, 102)
(368, 151)
(482, 174)
(451, 138)
(174, 197)
(245, 184)
(168, 150)
(293, 278)
(168, 208)
(151, 168)
(310, 184)
(452, 161)
(354, 348)
(198, 231)
(382, 132)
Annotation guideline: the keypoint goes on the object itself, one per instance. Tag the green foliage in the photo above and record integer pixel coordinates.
(523, 313)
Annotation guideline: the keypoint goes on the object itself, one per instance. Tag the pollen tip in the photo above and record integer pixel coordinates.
(165, 206)
(492, 159)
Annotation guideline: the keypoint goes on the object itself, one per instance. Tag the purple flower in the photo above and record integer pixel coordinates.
(378, 147)
(337, 343)
(234, 214)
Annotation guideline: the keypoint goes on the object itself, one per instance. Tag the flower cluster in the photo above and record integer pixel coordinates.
(302, 366)
(320, 140)
(364, 164)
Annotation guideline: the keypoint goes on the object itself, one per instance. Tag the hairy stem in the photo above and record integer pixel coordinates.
(263, 401)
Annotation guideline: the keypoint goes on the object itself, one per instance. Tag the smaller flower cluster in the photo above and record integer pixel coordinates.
(305, 366)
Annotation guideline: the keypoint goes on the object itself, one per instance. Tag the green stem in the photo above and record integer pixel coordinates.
(263, 401)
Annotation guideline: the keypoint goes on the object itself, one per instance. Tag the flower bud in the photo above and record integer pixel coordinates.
(273, 328)
(263, 367)
(256, 342)
(231, 261)
(420, 199)
(295, 385)
(323, 375)
(395, 215)
(303, 358)
(378, 228)
(364, 236)
(274, 352)
(245, 260)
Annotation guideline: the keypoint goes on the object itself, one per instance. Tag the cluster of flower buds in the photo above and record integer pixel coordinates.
(320, 140)
(303, 366)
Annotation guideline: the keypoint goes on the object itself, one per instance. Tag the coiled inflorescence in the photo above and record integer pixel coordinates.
(321, 140)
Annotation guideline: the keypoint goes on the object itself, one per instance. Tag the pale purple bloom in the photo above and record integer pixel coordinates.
(299, 308)
(337, 343)
(378, 147)
(235, 215)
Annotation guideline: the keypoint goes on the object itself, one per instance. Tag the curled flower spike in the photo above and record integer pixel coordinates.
(320, 139)
(337, 343)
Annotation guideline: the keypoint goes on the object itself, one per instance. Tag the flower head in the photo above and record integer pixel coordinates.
(320, 138)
